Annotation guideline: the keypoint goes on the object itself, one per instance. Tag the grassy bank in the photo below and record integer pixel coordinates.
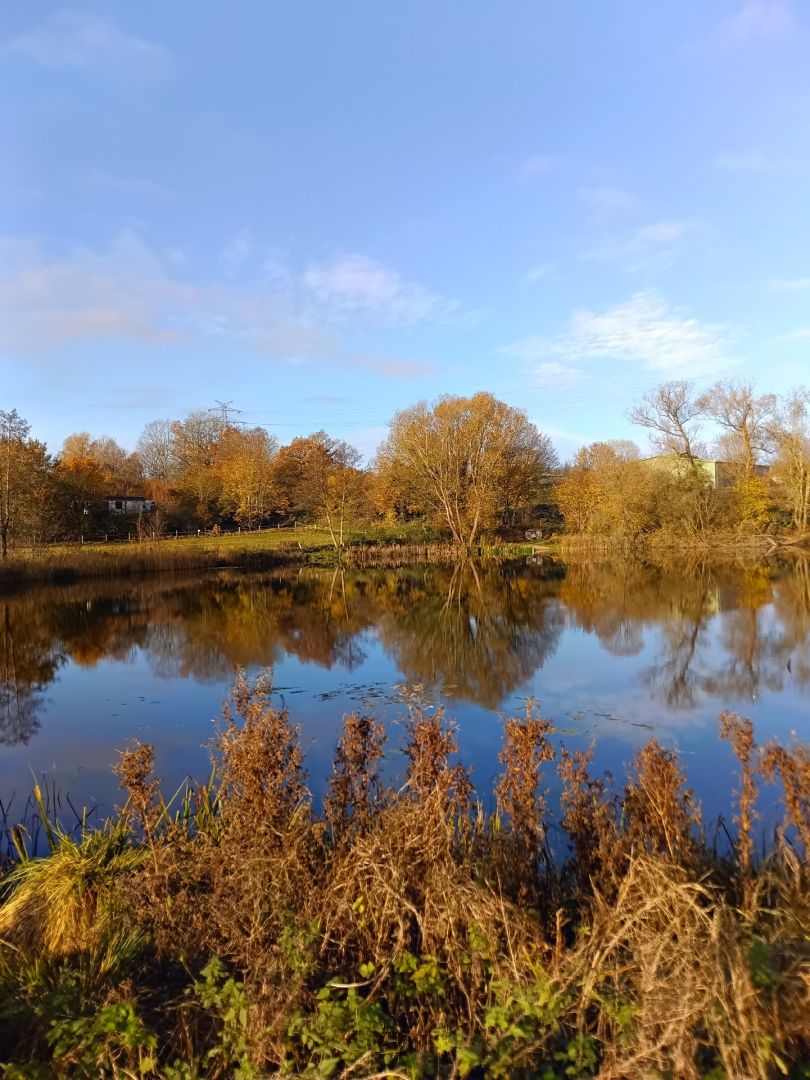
(244, 932)
(65, 563)
(269, 548)
(721, 542)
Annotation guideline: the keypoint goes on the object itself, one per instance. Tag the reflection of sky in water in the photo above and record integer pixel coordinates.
(619, 698)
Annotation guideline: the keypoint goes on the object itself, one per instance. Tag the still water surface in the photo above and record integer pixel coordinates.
(613, 653)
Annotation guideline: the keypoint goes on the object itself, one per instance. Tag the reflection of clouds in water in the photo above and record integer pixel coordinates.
(625, 644)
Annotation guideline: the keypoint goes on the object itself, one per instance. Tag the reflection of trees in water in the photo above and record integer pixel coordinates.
(762, 614)
(791, 600)
(250, 622)
(479, 631)
(29, 659)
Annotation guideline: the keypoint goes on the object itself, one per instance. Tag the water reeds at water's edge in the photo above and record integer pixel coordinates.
(239, 930)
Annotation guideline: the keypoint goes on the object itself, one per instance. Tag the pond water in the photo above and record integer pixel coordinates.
(612, 653)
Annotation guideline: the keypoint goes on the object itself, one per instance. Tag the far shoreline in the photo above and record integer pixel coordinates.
(277, 549)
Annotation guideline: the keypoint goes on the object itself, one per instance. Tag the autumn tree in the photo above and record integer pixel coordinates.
(671, 413)
(608, 491)
(245, 462)
(196, 442)
(319, 475)
(120, 470)
(790, 431)
(23, 480)
(467, 461)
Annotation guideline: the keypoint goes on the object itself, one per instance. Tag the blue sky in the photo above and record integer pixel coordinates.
(324, 212)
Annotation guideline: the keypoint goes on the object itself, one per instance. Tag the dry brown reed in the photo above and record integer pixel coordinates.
(355, 790)
(521, 802)
(589, 821)
(792, 767)
(404, 931)
(661, 815)
(740, 734)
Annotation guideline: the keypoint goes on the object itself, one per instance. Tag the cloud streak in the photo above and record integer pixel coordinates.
(72, 40)
(537, 165)
(353, 285)
(130, 186)
(800, 284)
(757, 163)
(650, 247)
(604, 199)
(130, 293)
(760, 20)
(644, 331)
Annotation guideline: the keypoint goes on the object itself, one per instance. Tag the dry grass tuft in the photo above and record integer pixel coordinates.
(404, 932)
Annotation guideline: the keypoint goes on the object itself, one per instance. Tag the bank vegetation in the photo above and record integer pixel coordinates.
(722, 467)
(417, 930)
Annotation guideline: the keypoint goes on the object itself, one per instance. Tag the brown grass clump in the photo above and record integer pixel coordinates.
(661, 814)
(792, 768)
(403, 931)
(589, 820)
(521, 802)
(740, 734)
(431, 742)
(667, 962)
(355, 790)
(262, 776)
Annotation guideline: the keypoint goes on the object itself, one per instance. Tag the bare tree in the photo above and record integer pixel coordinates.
(156, 449)
(672, 414)
(746, 417)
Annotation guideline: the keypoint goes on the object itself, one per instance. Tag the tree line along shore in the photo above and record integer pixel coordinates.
(462, 471)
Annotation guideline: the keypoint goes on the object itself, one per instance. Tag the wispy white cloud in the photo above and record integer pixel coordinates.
(758, 163)
(132, 293)
(760, 20)
(553, 373)
(238, 249)
(134, 186)
(539, 272)
(76, 40)
(649, 247)
(605, 199)
(537, 165)
(644, 330)
(799, 284)
(353, 285)
(802, 334)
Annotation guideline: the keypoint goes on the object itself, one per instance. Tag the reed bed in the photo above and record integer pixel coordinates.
(241, 931)
(64, 565)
